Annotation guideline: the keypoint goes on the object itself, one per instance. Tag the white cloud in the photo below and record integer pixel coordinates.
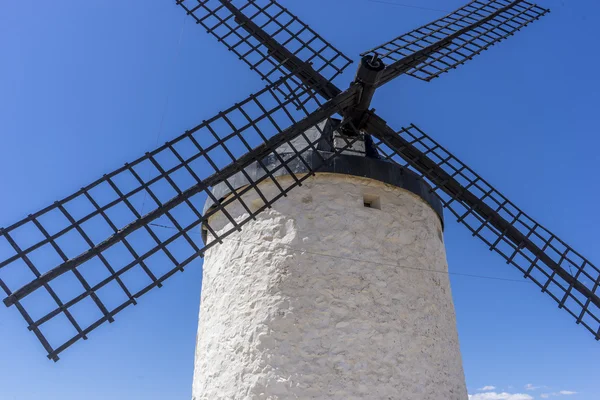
(561, 393)
(529, 386)
(500, 396)
(486, 388)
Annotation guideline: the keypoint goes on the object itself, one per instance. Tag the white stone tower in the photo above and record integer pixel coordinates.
(339, 291)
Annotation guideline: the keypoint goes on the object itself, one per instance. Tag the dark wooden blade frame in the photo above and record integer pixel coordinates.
(271, 41)
(302, 87)
(433, 49)
(138, 255)
(560, 271)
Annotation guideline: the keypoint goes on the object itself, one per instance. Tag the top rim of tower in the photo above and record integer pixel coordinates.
(360, 160)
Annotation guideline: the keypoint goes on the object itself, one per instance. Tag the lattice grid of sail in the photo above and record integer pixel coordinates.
(459, 36)
(219, 18)
(560, 271)
(77, 263)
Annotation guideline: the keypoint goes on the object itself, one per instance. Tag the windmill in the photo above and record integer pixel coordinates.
(277, 138)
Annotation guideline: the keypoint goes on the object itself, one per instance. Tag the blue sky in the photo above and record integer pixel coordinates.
(87, 86)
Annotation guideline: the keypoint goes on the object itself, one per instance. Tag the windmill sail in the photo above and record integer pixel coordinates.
(433, 49)
(79, 262)
(560, 271)
(82, 260)
(271, 41)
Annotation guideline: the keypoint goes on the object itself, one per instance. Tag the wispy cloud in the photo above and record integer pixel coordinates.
(500, 396)
(530, 386)
(560, 393)
(488, 393)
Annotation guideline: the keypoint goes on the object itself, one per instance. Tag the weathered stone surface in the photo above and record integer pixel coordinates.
(323, 298)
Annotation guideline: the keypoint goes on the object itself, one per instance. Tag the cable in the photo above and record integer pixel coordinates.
(366, 261)
(408, 5)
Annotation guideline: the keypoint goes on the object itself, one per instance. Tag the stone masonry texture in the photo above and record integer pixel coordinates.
(323, 298)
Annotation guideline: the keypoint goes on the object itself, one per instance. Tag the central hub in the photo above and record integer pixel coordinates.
(367, 76)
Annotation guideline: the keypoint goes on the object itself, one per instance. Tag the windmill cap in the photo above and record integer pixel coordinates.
(362, 160)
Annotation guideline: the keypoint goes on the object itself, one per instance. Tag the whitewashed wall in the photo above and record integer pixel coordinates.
(322, 298)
